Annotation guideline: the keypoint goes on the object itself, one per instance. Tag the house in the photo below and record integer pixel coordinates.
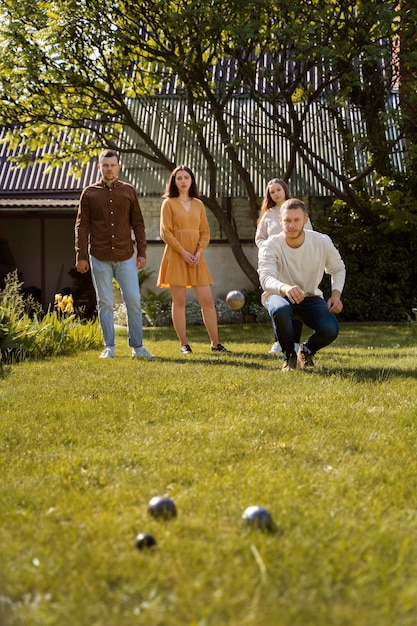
(37, 215)
(38, 206)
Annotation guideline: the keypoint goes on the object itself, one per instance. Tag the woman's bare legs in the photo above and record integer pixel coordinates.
(178, 295)
(208, 311)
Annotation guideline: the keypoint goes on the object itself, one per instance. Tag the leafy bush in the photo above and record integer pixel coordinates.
(156, 308)
(193, 313)
(157, 311)
(226, 315)
(120, 314)
(26, 332)
(378, 246)
(253, 305)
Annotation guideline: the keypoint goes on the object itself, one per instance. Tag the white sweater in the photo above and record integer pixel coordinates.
(279, 264)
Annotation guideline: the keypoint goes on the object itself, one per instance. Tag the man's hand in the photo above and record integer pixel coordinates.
(334, 303)
(83, 267)
(140, 262)
(294, 293)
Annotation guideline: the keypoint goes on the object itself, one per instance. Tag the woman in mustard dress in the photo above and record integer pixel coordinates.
(186, 233)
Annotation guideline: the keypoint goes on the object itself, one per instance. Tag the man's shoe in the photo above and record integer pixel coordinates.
(185, 349)
(305, 358)
(108, 353)
(290, 365)
(219, 348)
(142, 352)
(276, 347)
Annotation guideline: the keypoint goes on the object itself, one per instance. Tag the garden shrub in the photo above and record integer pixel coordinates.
(26, 332)
(378, 246)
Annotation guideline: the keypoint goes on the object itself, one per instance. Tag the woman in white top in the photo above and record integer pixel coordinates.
(268, 224)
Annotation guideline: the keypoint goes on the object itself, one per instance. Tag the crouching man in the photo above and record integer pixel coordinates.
(291, 267)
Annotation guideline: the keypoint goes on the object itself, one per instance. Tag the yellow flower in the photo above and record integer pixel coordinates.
(65, 304)
(68, 304)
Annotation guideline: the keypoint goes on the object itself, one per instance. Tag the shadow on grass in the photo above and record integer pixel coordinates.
(235, 359)
(368, 374)
(361, 374)
(356, 344)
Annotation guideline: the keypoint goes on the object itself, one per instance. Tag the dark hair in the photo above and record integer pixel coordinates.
(108, 154)
(268, 203)
(171, 190)
(294, 203)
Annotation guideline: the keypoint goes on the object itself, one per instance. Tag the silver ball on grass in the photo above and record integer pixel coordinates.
(162, 507)
(258, 517)
(144, 541)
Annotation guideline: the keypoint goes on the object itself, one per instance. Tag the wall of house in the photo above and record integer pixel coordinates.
(225, 271)
(43, 250)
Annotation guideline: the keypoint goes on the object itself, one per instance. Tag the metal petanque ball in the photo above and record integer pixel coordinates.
(235, 300)
(162, 507)
(258, 517)
(143, 541)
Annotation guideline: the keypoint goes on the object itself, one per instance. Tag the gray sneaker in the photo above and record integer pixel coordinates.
(142, 352)
(108, 353)
(290, 365)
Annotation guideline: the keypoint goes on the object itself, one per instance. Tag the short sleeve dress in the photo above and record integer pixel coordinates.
(183, 230)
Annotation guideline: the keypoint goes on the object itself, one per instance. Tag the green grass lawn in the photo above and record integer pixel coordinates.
(332, 454)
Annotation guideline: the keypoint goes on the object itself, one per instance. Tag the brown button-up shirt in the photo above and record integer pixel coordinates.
(105, 220)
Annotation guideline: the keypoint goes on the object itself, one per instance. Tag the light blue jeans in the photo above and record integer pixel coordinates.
(126, 274)
(313, 312)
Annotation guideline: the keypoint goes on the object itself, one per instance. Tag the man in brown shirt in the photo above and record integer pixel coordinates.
(108, 212)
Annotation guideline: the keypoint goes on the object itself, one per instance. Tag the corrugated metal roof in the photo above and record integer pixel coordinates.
(36, 181)
(262, 150)
(50, 204)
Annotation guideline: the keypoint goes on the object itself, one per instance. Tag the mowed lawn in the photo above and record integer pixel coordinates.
(332, 454)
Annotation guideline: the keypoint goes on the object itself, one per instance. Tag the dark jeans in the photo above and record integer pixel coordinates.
(298, 329)
(313, 312)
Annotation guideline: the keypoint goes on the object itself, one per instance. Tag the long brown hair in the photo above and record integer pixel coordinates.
(268, 203)
(172, 191)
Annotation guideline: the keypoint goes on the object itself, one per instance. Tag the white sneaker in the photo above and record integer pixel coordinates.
(142, 352)
(275, 348)
(108, 353)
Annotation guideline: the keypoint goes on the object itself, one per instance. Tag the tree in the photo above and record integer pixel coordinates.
(75, 66)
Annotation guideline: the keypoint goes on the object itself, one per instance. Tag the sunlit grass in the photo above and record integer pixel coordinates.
(85, 444)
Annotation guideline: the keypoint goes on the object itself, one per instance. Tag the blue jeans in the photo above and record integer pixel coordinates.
(126, 274)
(313, 312)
